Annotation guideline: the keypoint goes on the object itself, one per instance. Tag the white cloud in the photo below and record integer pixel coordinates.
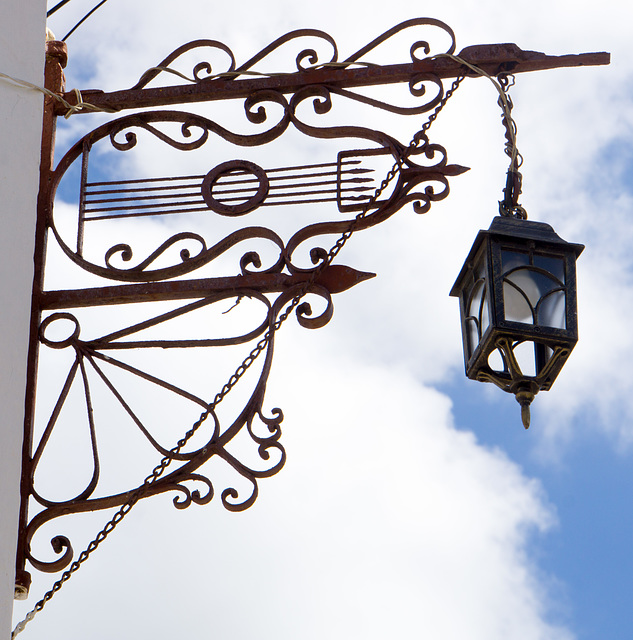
(386, 520)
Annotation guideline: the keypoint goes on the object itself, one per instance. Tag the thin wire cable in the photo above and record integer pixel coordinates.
(502, 95)
(259, 74)
(72, 108)
(83, 19)
(508, 206)
(59, 5)
(80, 105)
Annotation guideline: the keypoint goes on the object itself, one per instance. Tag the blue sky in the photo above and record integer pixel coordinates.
(588, 550)
(413, 504)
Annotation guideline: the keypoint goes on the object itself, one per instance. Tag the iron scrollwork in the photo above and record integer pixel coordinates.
(238, 187)
(308, 59)
(199, 222)
(96, 355)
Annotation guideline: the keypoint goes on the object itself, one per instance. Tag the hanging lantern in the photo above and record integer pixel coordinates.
(517, 292)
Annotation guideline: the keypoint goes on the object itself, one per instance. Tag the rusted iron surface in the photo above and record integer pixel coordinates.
(235, 189)
(493, 59)
(335, 279)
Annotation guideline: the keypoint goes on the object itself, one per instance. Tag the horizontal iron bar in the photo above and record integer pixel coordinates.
(143, 180)
(137, 198)
(235, 179)
(335, 278)
(267, 171)
(222, 195)
(221, 183)
(297, 193)
(227, 187)
(146, 213)
(142, 214)
(493, 59)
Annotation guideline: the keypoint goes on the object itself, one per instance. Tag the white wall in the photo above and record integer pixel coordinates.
(22, 35)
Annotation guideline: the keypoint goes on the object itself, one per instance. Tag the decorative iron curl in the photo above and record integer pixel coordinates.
(146, 119)
(188, 263)
(231, 497)
(420, 44)
(131, 137)
(192, 496)
(61, 545)
(191, 263)
(308, 55)
(125, 251)
(232, 492)
(417, 86)
(273, 423)
(164, 65)
(322, 103)
(304, 310)
(308, 58)
(413, 174)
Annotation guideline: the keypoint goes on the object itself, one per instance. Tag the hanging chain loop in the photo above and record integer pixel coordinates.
(157, 472)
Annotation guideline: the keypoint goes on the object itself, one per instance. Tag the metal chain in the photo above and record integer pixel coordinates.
(142, 490)
(509, 206)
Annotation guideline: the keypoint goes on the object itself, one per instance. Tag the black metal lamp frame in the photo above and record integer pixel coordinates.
(488, 326)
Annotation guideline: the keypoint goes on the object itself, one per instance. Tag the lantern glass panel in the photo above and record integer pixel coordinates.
(534, 289)
(551, 310)
(477, 318)
(530, 356)
(555, 266)
(527, 356)
(497, 362)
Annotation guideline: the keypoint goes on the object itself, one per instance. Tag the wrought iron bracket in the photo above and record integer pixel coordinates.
(203, 212)
(494, 59)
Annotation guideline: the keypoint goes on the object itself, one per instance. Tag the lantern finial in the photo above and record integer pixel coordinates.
(524, 398)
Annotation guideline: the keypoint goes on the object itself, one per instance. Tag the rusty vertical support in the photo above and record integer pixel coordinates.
(56, 58)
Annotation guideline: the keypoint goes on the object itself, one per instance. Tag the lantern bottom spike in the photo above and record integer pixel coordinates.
(524, 398)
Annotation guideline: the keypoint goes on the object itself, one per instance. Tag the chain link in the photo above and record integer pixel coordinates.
(142, 490)
(509, 206)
